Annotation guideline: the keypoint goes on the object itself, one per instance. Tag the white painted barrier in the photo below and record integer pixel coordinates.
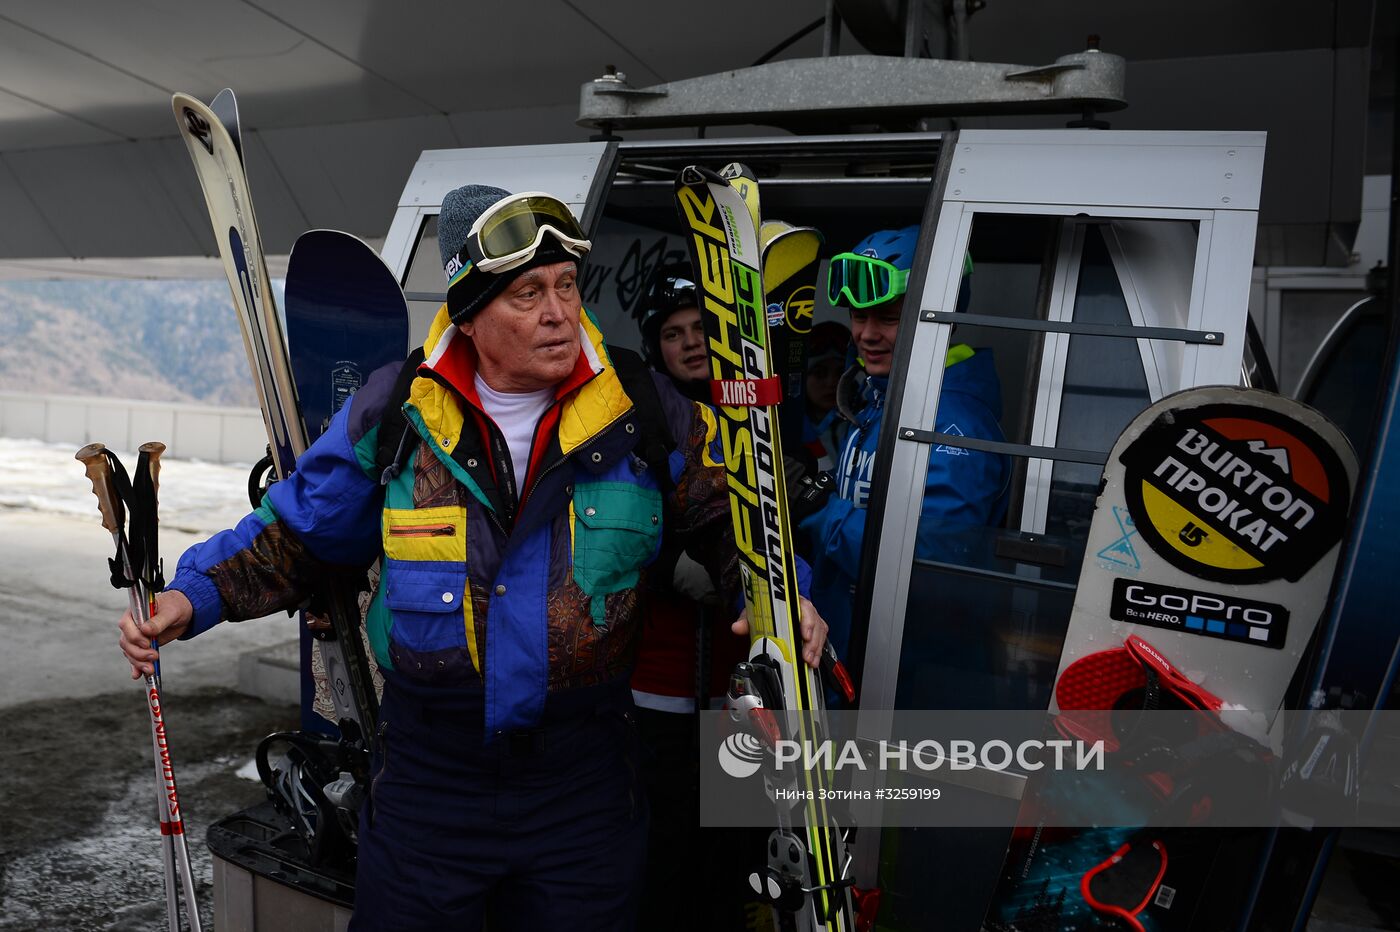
(204, 432)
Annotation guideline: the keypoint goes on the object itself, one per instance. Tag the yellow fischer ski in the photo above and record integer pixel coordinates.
(780, 695)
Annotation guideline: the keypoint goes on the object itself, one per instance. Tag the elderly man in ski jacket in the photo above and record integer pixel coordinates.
(962, 488)
(516, 523)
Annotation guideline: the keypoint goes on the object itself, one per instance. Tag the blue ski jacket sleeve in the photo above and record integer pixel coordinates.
(325, 514)
(962, 488)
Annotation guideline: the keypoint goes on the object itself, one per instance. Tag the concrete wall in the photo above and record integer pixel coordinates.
(219, 435)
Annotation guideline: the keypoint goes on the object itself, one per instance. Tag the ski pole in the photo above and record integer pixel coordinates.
(151, 580)
(98, 462)
(148, 576)
(136, 599)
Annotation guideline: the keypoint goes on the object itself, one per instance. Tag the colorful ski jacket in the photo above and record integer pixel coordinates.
(963, 488)
(482, 598)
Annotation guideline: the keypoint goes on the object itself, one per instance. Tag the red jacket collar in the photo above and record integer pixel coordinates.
(457, 368)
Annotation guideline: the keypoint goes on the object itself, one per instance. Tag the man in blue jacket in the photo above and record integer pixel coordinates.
(516, 531)
(963, 488)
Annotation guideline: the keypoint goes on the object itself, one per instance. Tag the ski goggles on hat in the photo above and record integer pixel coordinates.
(507, 234)
(862, 281)
(672, 294)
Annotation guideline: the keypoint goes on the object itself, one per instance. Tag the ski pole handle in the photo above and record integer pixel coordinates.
(151, 574)
(153, 449)
(99, 470)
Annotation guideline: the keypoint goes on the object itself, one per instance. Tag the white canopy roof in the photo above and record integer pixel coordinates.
(339, 97)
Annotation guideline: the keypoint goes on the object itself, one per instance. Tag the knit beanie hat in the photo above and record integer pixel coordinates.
(473, 289)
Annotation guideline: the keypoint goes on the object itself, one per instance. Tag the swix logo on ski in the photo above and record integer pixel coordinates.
(742, 392)
(1209, 614)
(738, 392)
(1224, 492)
(733, 302)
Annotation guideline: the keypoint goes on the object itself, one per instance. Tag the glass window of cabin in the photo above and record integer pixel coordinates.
(989, 602)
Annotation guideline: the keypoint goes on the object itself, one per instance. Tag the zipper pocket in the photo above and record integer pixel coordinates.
(423, 530)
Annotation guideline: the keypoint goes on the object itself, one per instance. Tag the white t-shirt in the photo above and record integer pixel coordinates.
(516, 415)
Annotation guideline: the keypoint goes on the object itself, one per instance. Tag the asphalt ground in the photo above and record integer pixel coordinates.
(79, 843)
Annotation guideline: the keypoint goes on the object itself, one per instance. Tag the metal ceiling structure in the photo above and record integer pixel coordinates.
(339, 97)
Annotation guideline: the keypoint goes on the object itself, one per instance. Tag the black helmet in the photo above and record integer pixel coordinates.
(672, 289)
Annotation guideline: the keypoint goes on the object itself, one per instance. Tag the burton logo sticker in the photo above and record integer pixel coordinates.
(1235, 494)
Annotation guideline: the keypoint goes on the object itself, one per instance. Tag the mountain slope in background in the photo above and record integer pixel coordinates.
(148, 340)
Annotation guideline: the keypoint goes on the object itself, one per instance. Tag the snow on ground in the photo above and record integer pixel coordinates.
(58, 611)
(195, 496)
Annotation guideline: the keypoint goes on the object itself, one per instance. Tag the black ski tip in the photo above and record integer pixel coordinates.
(225, 107)
(692, 174)
(737, 170)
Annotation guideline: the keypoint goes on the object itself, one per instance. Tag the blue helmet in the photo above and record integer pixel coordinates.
(893, 246)
(875, 272)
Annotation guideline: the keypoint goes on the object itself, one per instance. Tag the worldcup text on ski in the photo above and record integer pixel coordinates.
(929, 755)
(745, 433)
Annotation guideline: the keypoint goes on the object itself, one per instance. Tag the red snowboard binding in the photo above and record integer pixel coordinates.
(1191, 763)
(1123, 885)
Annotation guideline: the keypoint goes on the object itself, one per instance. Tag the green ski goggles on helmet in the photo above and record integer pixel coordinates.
(507, 234)
(862, 281)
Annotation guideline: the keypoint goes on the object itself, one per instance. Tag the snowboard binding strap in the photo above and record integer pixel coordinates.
(1123, 885)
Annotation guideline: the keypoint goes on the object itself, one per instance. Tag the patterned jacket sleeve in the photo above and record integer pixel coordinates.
(697, 510)
(325, 514)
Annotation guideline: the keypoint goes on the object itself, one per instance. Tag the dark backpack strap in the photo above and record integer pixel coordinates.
(395, 434)
(655, 443)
